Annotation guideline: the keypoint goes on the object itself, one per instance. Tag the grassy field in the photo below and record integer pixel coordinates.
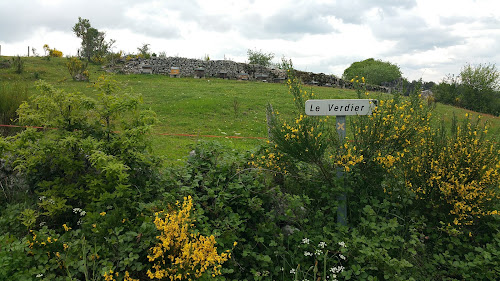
(188, 109)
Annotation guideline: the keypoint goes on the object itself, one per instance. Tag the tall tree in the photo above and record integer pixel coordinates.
(94, 45)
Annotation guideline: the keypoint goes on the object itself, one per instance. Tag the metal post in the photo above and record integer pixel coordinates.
(342, 208)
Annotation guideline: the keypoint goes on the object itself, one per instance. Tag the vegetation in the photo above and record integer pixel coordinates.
(476, 88)
(87, 197)
(94, 45)
(144, 51)
(77, 69)
(11, 97)
(375, 72)
(52, 53)
(18, 65)
(259, 57)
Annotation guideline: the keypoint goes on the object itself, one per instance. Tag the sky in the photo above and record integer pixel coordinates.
(428, 40)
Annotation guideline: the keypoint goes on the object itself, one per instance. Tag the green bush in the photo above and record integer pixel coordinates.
(18, 64)
(259, 57)
(374, 71)
(81, 160)
(77, 69)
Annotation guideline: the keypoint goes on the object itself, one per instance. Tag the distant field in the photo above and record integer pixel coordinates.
(200, 107)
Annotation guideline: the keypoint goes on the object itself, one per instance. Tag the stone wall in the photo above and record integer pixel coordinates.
(228, 69)
(188, 68)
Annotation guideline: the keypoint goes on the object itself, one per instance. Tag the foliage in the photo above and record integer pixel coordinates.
(236, 204)
(79, 202)
(375, 71)
(259, 57)
(78, 69)
(182, 253)
(52, 53)
(457, 175)
(94, 45)
(406, 180)
(144, 51)
(18, 65)
(475, 88)
(481, 86)
(82, 160)
(11, 96)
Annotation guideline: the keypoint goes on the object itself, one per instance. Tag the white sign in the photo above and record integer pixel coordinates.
(340, 107)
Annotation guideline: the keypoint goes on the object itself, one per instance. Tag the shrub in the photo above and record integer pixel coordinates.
(85, 162)
(375, 71)
(52, 52)
(182, 253)
(259, 57)
(18, 65)
(77, 69)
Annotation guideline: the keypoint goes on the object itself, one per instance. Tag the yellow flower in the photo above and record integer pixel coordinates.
(102, 214)
(66, 228)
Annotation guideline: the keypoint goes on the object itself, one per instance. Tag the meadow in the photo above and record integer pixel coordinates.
(188, 109)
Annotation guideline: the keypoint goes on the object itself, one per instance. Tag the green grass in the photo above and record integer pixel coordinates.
(200, 107)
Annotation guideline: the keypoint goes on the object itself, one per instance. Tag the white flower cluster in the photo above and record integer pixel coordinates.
(337, 269)
(80, 211)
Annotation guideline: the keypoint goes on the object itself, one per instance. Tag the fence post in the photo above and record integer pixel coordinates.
(342, 208)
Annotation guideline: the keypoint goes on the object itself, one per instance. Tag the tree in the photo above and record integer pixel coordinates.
(94, 45)
(374, 71)
(480, 86)
(259, 57)
(144, 51)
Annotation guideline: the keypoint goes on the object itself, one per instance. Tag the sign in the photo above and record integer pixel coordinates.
(341, 107)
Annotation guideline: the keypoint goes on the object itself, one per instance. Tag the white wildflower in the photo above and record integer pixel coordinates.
(305, 241)
(322, 245)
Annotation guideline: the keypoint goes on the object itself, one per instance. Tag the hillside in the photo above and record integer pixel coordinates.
(189, 109)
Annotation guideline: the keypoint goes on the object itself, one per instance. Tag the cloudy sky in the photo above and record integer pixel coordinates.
(427, 39)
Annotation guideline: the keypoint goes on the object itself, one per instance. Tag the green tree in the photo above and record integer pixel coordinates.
(259, 57)
(480, 88)
(94, 45)
(144, 51)
(374, 71)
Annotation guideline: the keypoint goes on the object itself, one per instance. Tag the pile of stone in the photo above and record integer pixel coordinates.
(199, 68)
(226, 69)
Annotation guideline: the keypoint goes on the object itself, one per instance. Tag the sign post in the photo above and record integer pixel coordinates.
(340, 108)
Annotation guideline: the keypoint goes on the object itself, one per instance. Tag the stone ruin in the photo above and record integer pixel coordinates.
(226, 69)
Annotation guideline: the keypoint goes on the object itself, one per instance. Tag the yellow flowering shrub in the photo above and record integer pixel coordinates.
(181, 253)
(459, 174)
(304, 138)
